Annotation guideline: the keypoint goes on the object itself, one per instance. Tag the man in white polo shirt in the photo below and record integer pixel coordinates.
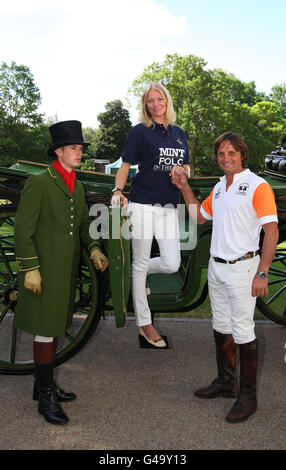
(240, 204)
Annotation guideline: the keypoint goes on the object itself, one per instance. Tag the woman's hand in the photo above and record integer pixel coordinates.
(179, 176)
(118, 199)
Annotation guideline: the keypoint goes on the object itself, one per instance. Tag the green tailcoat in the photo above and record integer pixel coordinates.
(50, 225)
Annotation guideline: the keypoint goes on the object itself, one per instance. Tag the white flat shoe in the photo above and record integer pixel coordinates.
(158, 342)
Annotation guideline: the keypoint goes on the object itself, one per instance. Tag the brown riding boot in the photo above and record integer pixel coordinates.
(246, 403)
(225, 384)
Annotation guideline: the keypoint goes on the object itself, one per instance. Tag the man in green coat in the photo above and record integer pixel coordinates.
(51, 222)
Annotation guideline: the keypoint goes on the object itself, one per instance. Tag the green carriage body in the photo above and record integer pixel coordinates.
(176, 293)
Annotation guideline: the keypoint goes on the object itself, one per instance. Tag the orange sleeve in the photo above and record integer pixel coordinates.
(264, 200)
(208, 204)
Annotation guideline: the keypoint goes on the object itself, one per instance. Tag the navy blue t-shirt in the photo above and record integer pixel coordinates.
(156, 150)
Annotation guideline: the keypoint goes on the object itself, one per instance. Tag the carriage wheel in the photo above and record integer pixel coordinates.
(274, 306)
(16, 346)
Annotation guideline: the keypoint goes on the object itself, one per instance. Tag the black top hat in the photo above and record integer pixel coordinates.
(65, 133)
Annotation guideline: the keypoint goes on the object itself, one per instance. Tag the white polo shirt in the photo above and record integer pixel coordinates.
(238, 214)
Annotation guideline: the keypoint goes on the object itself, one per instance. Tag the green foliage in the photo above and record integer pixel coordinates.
(278, 95)
(114, 125)
(19, 96)
(23, 134)
(20, 142)
(87, 164)
(90, 136)
(211, 102)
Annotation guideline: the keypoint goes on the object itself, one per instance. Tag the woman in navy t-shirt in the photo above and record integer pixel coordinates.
(156, 145)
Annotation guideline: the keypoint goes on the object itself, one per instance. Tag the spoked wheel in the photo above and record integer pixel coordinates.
(274, 306)
(16, 346)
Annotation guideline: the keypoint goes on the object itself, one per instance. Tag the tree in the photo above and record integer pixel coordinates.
(208, 103)
(278, 95)
(114, 125)
(22, 130)
(91, 136)
(269, 127)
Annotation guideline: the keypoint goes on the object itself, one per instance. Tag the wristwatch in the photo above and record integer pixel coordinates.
(262, 274)
(116, 189)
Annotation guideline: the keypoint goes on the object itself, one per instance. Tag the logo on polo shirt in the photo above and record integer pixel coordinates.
(217, 194)
(168, 158)
(243, 189)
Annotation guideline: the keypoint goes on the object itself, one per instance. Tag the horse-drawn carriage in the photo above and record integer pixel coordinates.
(98, 292)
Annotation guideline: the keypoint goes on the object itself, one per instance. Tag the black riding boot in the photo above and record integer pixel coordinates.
(246, 403)
(225, 384)
(61, 395)
(44, 375)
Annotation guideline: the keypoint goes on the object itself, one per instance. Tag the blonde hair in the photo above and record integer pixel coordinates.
(145, 116)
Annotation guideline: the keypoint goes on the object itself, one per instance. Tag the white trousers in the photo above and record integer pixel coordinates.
(231, 300)
(147, 222)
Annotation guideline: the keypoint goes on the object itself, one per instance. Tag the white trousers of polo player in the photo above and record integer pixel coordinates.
(231, 300)
(147, 222)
